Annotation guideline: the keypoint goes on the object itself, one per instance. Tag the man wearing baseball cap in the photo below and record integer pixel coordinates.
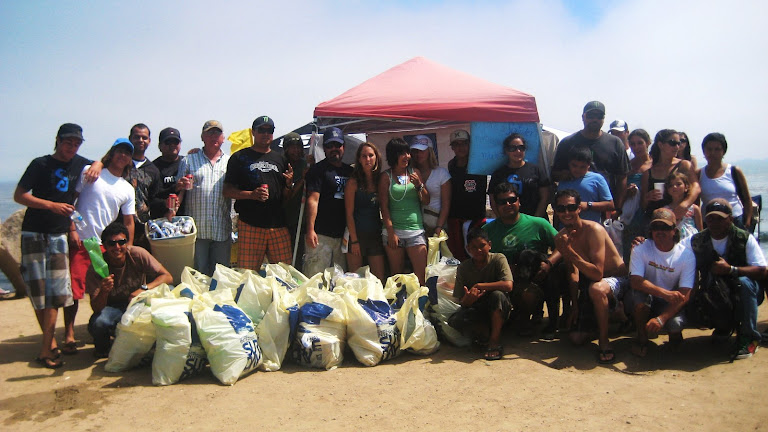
(326, 216)
(467, 195)
(620, 129)
(260, 180)
(168, 165)
(204, 200)
(726, 251)
(609, 154)
(662, 271)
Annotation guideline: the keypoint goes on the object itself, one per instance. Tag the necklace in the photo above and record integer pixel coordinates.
(391, 180)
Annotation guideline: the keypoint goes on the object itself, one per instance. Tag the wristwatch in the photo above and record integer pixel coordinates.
(589, 205)
(144, 287)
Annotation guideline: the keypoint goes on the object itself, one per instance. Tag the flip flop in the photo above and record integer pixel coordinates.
(69, 348)
(50, 363)
(606, 356)
(494, 353)
(640, 349)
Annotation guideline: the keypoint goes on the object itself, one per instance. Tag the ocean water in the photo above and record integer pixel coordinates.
(757, 179)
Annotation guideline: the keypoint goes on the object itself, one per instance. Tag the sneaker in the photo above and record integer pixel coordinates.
(7, 293)
(746, 350)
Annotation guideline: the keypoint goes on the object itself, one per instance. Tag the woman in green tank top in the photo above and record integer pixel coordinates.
(401, 195)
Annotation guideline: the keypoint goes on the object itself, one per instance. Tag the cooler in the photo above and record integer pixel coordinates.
(174, 253)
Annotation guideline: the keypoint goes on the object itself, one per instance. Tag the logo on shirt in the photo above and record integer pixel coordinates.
(470, 185)
(63, 183)
(661, 267)
(515, 180)
(340, 183)
(264, 166)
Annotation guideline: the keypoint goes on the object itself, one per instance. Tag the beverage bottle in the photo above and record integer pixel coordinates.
(78, 219)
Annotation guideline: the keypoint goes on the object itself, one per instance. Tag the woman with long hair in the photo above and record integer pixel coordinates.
(684, 152)
(437, 180)
(723, 180)
(666, 162)
(401, 195)
(362, 208)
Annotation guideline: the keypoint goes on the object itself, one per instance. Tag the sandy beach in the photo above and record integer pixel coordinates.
(537, 385)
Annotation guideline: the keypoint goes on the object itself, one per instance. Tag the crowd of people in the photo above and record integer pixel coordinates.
(351, 216)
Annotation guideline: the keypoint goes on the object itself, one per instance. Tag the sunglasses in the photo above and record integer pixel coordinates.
(505, 201)
(265, 130)
(333, 145)
(521, 148)
(673, 143)
(661, 227)
(684, 141)
(121, 242)
(562, 208)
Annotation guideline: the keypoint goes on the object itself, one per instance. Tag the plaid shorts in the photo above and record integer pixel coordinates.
(254, 243)
(45, 267)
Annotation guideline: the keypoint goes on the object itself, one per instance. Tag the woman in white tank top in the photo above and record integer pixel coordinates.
(719, 180)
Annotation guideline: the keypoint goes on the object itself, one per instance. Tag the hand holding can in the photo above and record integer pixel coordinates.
(190, 181)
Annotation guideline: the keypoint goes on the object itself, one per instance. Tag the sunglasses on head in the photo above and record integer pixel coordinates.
(333, 145)
(265, 129)
(505, 201)
(562, 208)
(121, 242)
(516, 148)
(673, 143)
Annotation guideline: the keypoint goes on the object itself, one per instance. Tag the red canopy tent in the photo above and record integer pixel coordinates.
(422, 93)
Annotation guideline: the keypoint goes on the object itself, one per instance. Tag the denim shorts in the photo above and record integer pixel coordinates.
(414, 240)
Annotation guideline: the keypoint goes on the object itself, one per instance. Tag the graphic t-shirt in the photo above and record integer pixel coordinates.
(467, 193)
(529, 232)
(668, 270)
(51, 179)
(249, 169)
(527, 179)
(329, 181)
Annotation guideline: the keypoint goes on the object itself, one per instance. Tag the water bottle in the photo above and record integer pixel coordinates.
(77, 218)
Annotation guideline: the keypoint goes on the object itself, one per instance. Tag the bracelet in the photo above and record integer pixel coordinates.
(354, 242)
(661, 323)
(420, 188)
(734, 271)
(548, 262)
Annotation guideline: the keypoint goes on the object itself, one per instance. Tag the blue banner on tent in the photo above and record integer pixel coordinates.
(487, 153)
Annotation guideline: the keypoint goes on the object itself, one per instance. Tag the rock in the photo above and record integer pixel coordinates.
(10, 251)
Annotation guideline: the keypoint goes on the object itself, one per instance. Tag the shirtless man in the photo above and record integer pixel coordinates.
(594, 264)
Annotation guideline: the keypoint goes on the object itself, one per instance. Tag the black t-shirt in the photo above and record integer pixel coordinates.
(53, 180)
(609, 157)
(168, 171)
(146, 181)
(248, 169)
(527, 179)
(467, 193)
(329, 181)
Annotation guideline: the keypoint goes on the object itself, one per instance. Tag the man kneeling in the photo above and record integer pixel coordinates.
(662, 272)
(131, 270)
(594, 264)
(482, 286)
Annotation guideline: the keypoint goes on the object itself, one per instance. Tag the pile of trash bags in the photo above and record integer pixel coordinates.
(240, 321)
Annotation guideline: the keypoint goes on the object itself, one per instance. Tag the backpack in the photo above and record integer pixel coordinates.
(714, 304)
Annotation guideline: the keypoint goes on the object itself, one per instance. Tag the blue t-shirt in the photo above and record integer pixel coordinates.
(591, 187)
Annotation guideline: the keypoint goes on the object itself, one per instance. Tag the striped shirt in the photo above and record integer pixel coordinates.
(205, 202)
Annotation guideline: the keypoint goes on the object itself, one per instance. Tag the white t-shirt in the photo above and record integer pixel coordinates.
(99, 202)
(668, 270)
(754, 254)
(437, 178)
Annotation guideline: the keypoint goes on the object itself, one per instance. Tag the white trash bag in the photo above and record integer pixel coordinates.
(416, 332)
(227, 334)
(178, 353)
(321, 330)
(372, 331)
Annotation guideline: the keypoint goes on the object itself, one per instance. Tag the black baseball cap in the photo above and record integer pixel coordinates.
(169, 133)
(70, 130)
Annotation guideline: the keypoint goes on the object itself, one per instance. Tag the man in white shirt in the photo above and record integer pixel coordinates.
(662, 272)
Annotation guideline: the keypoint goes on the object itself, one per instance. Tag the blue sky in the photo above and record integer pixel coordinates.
(692, 65)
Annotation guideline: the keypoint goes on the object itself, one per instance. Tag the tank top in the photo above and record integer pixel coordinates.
(366, 214)
(666, 200)
(721, 187)
(404, 204)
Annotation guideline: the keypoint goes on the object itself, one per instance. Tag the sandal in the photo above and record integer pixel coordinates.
(494, 353)
(640, 349)
(50, 363)
(606, 356)
(69, 348)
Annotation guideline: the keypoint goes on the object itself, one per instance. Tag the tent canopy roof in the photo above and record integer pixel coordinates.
(421, 93)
